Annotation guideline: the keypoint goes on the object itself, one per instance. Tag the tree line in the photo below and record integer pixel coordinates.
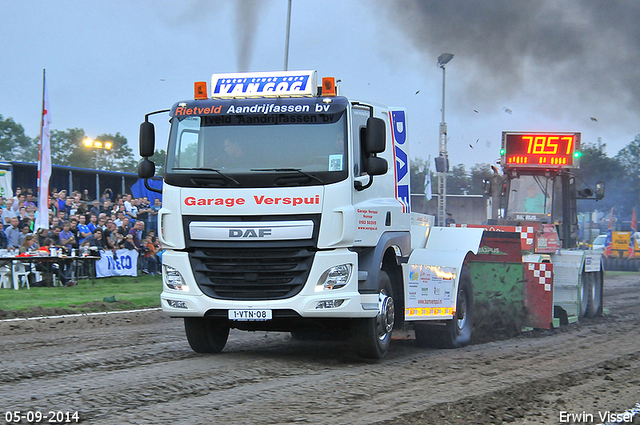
(67, 149)
(621, 173)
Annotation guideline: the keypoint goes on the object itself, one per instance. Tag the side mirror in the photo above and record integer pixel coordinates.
(147, 139)
(377, 166)
(599, 190)
(375, 135)
(146, 169)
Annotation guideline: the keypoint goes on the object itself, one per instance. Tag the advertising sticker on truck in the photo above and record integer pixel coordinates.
(281, 83)
(428, 291)
(302, 200)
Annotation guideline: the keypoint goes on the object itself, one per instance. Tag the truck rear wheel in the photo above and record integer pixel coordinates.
(206, 335)
(373, 336)
(457, 332)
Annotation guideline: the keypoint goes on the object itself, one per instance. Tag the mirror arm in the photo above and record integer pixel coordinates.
(360, 187)
(152, 189)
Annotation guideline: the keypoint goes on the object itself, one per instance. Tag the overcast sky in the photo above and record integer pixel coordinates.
(519, 65)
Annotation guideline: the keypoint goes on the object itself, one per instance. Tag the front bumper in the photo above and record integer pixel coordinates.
(305, 304)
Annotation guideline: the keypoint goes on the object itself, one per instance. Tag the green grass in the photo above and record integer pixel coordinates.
(129, 293)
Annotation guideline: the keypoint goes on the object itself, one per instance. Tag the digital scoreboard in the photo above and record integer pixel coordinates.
(540, 150)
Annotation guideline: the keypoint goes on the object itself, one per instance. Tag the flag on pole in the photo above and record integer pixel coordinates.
(44, 162)
(632, 237)
(428, 193)
(609, 240)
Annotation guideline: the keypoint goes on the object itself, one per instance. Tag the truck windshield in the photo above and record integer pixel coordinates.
(532, 198)
(308, 149)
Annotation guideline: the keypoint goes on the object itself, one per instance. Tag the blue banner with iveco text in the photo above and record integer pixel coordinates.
(124, 262)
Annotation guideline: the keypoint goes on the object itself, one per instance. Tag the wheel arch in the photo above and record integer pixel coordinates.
(393, 249)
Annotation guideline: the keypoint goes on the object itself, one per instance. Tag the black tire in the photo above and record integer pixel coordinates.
(594, 307)
(585, 292)
(206, 335)
(428, 336)
(373, 336)
(458, 331)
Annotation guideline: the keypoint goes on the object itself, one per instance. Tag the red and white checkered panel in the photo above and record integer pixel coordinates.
(542, 273)
(526, 233)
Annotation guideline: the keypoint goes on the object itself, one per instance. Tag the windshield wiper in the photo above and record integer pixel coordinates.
(297, 170)
(210, 169)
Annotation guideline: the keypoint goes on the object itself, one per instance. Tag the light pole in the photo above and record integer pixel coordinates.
(286, 40)
(442, 162)
(101, 152)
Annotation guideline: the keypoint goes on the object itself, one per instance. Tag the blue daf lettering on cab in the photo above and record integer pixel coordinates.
(401, 156)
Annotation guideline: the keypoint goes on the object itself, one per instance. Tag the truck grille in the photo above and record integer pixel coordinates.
(251, 274)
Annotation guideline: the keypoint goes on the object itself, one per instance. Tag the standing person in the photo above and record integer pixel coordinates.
(93, 222)
(43, 234)
(107, 194)
(106, 208)
(83, 229)
(128, 206)
(137, 231)
(53, 206)
(29, 200)
(153, 215)
(449, 220)
(62, 199)
(95, 208)
(96, 239)
(67, 238)
(150, 257)
(111, 234)
(8, 212)
(125, 227)
(16, 199)
(24, 231)
(4, 243)
(143, 211)
(13, 233)
(135, 235)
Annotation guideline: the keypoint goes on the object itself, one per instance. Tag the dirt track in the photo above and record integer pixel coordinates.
(138, 368)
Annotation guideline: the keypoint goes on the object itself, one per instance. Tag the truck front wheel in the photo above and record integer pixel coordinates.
(206, 335)
(373, 336)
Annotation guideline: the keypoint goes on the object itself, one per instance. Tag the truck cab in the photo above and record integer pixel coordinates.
(285, 207)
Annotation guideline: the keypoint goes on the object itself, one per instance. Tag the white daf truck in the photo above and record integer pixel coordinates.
(286, 207)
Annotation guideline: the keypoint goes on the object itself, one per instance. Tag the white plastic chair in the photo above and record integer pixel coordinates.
(5, 277)
(20, 275)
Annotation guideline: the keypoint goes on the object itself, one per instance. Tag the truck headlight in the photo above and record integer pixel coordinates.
(335, 277)
(173, 279)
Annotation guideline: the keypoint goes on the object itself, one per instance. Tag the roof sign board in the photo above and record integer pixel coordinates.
(264, 84)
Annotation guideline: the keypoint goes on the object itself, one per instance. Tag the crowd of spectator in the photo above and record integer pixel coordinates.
(79, 224)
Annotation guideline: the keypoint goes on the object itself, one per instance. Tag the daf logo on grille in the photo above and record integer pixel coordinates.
(249, 233)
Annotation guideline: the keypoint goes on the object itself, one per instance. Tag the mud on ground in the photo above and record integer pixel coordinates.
(137, 368)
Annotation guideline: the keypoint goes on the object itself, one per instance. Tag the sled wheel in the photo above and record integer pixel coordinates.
(595, 295)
